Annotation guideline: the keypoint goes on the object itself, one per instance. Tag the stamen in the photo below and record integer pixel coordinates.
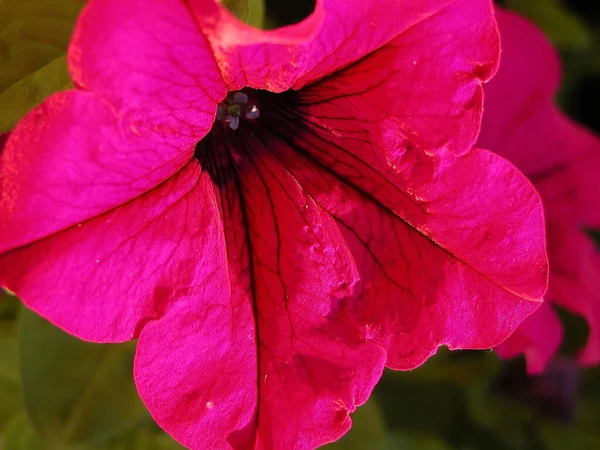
(234, 122)
(221, 112)
(236, 106)
(240, 98)
(234, 109)
(252, 112)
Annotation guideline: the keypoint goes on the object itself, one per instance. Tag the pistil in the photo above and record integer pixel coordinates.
(235, 107)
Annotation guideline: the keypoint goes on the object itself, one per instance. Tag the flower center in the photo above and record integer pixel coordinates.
(227, 154)
(235, 107)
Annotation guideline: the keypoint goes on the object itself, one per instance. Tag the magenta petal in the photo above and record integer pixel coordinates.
(574, 276)
(196, 367)
(336, 234)
(155, 88)
(72, 159)
(334, 36)
(150, 61)
(411, 90)
(447, 277)
(562, 159)
(253, 357)
(103, 279)
(538, 337)
(451, 249)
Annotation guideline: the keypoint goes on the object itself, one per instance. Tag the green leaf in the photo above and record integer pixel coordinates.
(9, 307)
(582, 433)
(30, 91)
(148, 437)
(411, 441)
(563, 27)
(11, 397)
(368, 430)
(76, 391)
(457, 367)
(560, 437)
(34, 35)
(501, 416)
(251, 12)
(19, 434)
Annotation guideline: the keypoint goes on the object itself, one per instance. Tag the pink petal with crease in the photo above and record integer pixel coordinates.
(102, 280)
(234, 379)
(72, 159)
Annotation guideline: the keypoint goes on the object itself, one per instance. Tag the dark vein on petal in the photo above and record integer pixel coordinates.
(251, 263)
(307, 154)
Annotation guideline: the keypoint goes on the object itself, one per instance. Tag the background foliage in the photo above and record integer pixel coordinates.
(58, 393)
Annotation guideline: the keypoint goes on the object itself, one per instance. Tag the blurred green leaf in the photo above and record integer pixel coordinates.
(144, 438)
(458, 367)
(76, 391)
(11, 400)
(251, 12)
(501, 416)
(30, 91)
(9, 307)
(34, 35)
(414, 441)
(423, 406)
(19, 434)
(368, 430)
(562, 26)
(428, 407)
(582, 434)
(558, 436)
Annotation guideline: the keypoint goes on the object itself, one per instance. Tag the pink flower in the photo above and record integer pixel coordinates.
(522, 124)
(275, 215)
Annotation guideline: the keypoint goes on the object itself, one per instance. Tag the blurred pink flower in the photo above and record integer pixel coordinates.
(275, 215)
(562, 159)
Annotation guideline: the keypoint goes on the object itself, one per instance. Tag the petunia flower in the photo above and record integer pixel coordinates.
(275, 215)
(562, 159)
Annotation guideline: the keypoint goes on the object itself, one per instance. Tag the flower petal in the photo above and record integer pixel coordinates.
(103, 279)
(522, 91)
(464, 276)
(155, 87)
(539, 337)
(424, 86)
(285, 264)
(337, 34)
(205, 342)
(72, 159)
(575, 269)
(451, 249)
(150, 61)
(562, 159)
